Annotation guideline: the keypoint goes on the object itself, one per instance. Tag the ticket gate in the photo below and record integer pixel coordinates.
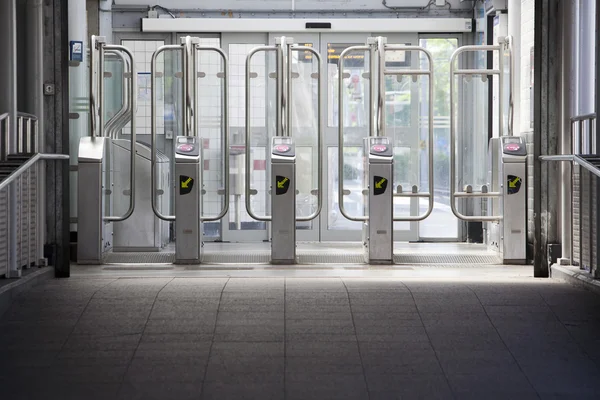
(188, 228)
(94, 234)
(508, 175)
(189, 215)
(378, 217)
(283, 203)
(505, 194)
(283, 216)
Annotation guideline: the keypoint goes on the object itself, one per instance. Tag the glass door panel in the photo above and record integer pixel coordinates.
(441, 224)
(335, 226)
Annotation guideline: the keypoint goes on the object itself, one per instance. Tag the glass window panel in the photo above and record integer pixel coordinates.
(356, 96)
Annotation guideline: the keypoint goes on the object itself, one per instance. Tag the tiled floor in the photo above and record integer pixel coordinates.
(171, 337)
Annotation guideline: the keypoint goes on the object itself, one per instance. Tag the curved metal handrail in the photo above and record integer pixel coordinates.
(341, 132)
(153, 130)
(133, 102)
(454, 72)
(27, 164)
(225, 144)
(248, 132)
(319, 130)
(112, 124)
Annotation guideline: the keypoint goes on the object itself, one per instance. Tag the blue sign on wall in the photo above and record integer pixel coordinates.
(76, 50)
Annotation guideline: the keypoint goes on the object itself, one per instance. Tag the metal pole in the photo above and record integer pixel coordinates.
(372, 88)
(381, 87)
(101, 90)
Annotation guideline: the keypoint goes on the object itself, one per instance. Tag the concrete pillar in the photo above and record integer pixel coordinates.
(8, 103)
(105, 20)
(568, 109)
(78, 92)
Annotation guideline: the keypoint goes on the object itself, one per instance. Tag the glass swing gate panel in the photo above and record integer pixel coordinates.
(303, 104)
(402, 99)
(238, 225)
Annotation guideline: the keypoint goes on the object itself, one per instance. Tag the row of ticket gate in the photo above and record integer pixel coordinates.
(101, 157)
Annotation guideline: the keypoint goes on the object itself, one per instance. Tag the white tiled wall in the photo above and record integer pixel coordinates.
(142, 51)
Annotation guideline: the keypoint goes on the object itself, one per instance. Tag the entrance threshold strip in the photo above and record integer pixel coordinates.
(163, 260)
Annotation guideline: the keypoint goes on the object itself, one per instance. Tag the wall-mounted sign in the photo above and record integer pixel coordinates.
(76, 50)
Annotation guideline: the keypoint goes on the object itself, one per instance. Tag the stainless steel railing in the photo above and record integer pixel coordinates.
(584, 182)
(21, 245)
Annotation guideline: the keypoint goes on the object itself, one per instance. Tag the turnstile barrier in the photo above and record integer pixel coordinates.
(505, 191)
(188, 216)
(94, 173)
(378, 218)
(283, 216)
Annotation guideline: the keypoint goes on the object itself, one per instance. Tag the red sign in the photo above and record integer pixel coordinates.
(512, 147)
(379, 148)
(186, 148)
(282, 148)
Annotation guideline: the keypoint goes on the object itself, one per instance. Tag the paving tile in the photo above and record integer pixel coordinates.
(410, 384)
(248, 349)
(248, 322)
(252, 333)
(10, 358)
(76, 358)
(510, 384)
(326, 394)
(319, 326)
(72, 391)
(183, 353)
(467, 342)
(401, 334)
(152, 371)
(248, 390)
(243, 315)
(347, 383)
(309, 337)
(160, 391)
(322, 349)
(109, 327)
(385, 317)
(341, 365)
(476, 361)
(228, 368)
(171, 309)
(197, 325)
(88, 374)
(96, 342)
(175, 340)
(343, 313)
(408, 362)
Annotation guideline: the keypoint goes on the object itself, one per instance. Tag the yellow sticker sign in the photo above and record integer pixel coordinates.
(380, 184)
(186, 184)
(283, 184)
